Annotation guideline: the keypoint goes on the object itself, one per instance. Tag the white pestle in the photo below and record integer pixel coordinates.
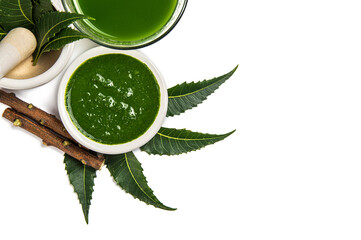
(17, 46)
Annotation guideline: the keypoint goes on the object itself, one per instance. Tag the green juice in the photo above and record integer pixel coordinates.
(127, 20)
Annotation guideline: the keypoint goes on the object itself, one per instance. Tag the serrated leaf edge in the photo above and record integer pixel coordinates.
(86, 204)
(157, 202)
(196, 149)
(86, 216)
(45, 35)
(131, 173)
(43, 49)
(205, 98)
(198, 90)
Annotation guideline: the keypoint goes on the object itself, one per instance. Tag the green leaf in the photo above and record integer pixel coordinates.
(62, 38)
(169, 141)
(16, 13)
(40, 7)
(2, 33)
(188, 95)
(128, 174)
(50, 24)
(82, 179)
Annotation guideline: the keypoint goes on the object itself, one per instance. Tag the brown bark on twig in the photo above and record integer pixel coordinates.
(51, 139)
(34, 113)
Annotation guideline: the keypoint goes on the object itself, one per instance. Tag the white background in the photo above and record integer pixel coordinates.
(292, 170)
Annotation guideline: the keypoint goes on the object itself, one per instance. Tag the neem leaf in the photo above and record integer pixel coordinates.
(2, 33)
(169, 141)
(128, 174)
(50, 24)
(188, 95)
(40, 7)
(16, 13)
(62, 38)
(82, 179)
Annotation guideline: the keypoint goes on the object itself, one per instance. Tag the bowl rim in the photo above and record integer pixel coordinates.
(130, 47)
(45, 77)
(117, 148)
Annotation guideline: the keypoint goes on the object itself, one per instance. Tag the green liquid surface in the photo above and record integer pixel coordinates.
(127, 20)
(112, 98)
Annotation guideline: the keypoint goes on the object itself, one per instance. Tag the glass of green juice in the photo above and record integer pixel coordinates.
(127, 24)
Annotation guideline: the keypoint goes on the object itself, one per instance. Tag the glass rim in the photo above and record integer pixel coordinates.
(121, 46)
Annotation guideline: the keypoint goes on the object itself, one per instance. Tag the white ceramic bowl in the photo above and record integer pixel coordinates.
(105, 148)
(50, 74)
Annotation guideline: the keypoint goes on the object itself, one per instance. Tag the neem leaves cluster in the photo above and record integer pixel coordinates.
(125, 168)
(49, 26)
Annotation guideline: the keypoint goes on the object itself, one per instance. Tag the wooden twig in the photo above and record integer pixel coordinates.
(51, 139)
(34, 113)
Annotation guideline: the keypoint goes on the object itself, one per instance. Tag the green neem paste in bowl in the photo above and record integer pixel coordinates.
(112, 99)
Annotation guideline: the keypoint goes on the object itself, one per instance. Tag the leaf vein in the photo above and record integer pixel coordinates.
(130, 171)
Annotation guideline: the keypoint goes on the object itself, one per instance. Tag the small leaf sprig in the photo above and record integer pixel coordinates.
(52, 32)
(126, 169)
(49, 26)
